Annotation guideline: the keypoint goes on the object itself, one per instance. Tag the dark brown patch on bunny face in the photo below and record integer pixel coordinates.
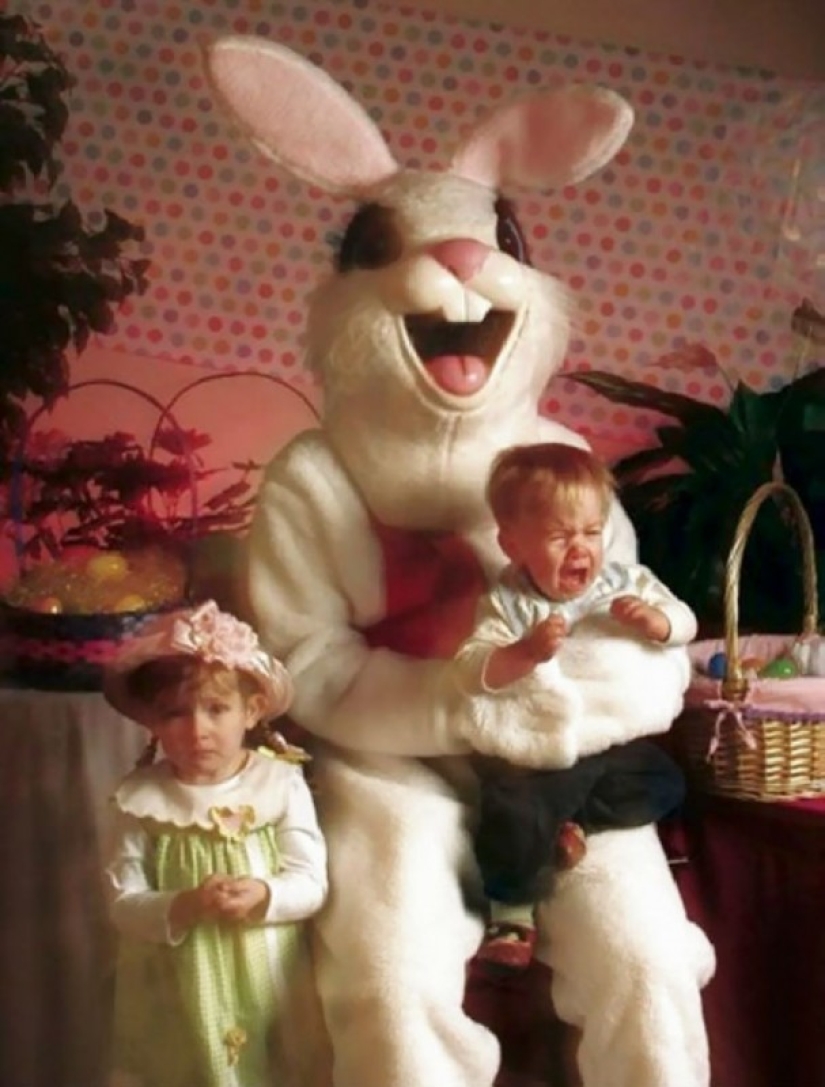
(372, 240)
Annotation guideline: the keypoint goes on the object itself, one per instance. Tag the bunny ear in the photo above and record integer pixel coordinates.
(298, 116)
(546, 141)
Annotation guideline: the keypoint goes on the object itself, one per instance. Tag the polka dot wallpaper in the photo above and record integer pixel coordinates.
(708, 227)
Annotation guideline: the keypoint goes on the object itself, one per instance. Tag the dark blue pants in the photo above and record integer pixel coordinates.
(522, 811)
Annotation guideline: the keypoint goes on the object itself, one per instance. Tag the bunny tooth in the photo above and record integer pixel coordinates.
(464, 305)
(501, 281)
(476, 308)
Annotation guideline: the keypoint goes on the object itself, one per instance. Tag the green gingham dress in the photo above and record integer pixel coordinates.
(197, 1009)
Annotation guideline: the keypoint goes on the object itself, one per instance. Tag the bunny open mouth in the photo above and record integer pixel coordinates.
(459, 356)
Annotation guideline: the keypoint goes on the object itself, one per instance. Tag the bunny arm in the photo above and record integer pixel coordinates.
(602, 688)
(315, 576)
(296, 114)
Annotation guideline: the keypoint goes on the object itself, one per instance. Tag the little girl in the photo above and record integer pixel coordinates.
(217, 853)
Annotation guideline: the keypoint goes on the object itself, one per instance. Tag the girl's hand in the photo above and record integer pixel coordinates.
(242, 899)
(220, 898)
(196, 905)
(633, 612)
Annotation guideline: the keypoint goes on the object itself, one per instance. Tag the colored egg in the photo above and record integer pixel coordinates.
(816, 663)
(717, 665)
(781, 668)
(131, 602)
(110, 566)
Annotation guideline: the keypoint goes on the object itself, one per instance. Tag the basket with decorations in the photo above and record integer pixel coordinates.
(753, 725)
(104, 533)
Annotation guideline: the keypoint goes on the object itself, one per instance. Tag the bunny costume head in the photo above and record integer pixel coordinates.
(432, 328)
(433, 339)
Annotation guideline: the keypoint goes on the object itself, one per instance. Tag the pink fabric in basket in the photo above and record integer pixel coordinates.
(804, 695)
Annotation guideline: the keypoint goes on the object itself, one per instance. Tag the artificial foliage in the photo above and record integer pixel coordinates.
(62, 277)
(686, 493)
(116, 493)
(114, 524)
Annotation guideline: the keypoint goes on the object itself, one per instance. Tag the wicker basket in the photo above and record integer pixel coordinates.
(756, 738)
(62, 652)
(68, 651)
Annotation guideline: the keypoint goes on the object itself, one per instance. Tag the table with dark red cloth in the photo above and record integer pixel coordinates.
(754, 879)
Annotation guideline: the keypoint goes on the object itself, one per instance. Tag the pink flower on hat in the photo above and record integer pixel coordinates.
(215, 637)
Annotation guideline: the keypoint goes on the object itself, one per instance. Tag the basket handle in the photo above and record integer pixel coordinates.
(734, 684)
(209, 378)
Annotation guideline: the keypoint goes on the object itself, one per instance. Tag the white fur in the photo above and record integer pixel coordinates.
(656, 965)
(373, 372)
(585, 700)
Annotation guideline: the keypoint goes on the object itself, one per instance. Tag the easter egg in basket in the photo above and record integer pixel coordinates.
(62, 621)
(782, 667)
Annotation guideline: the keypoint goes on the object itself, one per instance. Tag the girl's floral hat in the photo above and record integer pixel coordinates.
(212, 636)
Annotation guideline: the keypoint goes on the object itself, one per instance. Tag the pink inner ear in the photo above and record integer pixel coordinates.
(298, 115)
(546, 141)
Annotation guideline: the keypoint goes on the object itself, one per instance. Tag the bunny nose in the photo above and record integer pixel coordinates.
(462, 257)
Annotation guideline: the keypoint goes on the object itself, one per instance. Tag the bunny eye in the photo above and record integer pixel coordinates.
(370, 240)
(509, 234)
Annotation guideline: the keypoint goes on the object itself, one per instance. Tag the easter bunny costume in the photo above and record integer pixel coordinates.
(434, 342)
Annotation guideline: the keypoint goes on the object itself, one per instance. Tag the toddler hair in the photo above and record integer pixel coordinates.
(535, 479)
(161, 676)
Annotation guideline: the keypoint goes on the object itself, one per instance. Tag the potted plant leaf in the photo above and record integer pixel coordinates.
(62, 278)
(685, 494)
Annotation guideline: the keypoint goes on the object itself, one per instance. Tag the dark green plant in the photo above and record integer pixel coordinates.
(112, 493)
(61, 279)
(686, 493)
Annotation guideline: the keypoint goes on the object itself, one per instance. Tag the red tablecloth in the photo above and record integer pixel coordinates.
(755, 881)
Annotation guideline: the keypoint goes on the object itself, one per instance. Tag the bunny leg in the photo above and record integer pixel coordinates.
(628, 965)
(393, 941)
